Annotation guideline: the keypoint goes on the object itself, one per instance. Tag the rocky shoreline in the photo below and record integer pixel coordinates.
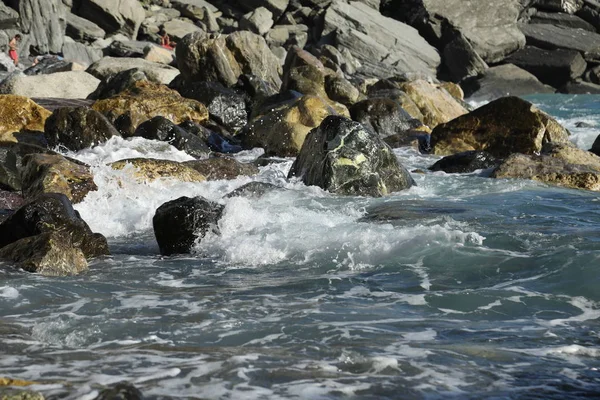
(335, 83)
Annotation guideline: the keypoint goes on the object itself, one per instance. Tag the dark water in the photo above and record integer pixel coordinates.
(462, 287)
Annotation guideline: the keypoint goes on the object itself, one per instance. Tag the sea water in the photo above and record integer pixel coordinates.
(461, 287)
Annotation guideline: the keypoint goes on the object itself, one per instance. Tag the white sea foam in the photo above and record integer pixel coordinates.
(8, 292)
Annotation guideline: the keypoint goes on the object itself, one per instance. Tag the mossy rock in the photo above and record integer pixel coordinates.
(19, 113)
(149, 169)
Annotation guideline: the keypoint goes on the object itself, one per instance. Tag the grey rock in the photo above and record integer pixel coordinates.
(466, 162)
(276, 7)
(44, 21)
(287, 36)
(178, 28)
(156, 72)
(114, 16)
(384, 116)
(341, 90)
(120, 391)
(9, 18)
(194, 4)
(560, 19)
(81, 29)
(117, 83)
(81, 54)
(67, 85)
(382, 45)
(253, 190)
(6, 63)
(258, 21)
(160, 128)
(503, 80)
(566, 6)
(554, 37)
(127, 48)
(591, 15)
(344, 157)
(461, 60)
(579, 87)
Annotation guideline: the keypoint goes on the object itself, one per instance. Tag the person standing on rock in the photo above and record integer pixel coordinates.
(12, 49)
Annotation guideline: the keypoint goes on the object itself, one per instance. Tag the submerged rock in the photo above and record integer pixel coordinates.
(49, 253)
(150, 169)
(52, 212)
(344, 157)
(120, 391)
(77, 128)
(468, 161)
(18, 113)
(53, 173)
(253, 190)
(160, 128)
(505, 126)
(145, 100)
(180, 223)
(222, 168)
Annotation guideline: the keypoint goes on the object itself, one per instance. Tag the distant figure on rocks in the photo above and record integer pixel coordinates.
(13, 47)
(166, 42)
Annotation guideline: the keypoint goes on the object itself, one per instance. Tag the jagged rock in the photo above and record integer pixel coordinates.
(579, 87)
(385, 117)
(287, 36)
(155, 72)
(343, 157)
(159, 55)
(491, 29)
(276, 7)
(120, 391)
(566, 6)
(52, 212)
(31, 116)
(562, 165)
(117, 83)
(382, 45)
(149, 169)
(49, 65)
(177, 29)
(226, 106)
(9, 18)
(180, 223)
(566, 20)
(77, 128)
(194, 9)
(282, 131)
(590, 14)
(553, 67)
(460, 58)
(391, 90)
(45, 23)
(253, 190)
(554, 37)
(505, 126)
(114, 16)
(503, 80)
(10, 200)
(145, 100)
(160, 128)
(222, 168)
(81, 54)
(259, 20)
(65, 85)
(47, 173)
(127, 48)
(341, 90)
(434, 102)
(11, 162)
(49, 254)
(81, 29)
(465, 162)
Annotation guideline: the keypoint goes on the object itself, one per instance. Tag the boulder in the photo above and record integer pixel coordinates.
(341, 90)
(344, 157)
(50, 64)
(561, 165)
(160, 128)
(435, 103)
(52, 212)
(150, 169)
(81, 54)
(554, 37)
(225, 106)
(460, 58)
(127, 48)
(383, 46)
(388, 89)
(179, 224)
(259, 21)
(253, 190)
(11, 162)
(222, 168)
(502, 127)
(145, 100)
(552, 67)
(276, 7)
(117, 83)
(159, 55)
(563, 6)
(579, 87)
(48, 173)
(45, 22)
(77, 128)
(155, 72)
(9, 18)
(10, 200)
(560, 19)
(590, 14)
(466, 162)
(114, 16)
(177, 29)
(49, 254)
(19, 113)
(503, 80)
(491, 28)
(81, 29)
(385, 117)
(64, 85)
(282, 131)
(287, 36)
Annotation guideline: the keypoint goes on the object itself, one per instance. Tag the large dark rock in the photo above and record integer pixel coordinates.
(44, 21)
(77, 128)
(222, 168)
(503, 80)
(117, 83)
(49, 253)
(565, 6)
(11, 163)
(468, 161)
(127, 48)
(81, 29)
(122, 16)
(10, 200)
(580, 87)
(552, 67)
(460, 58)
(383, 47)
(590, 14)
(49, 65)
(384, 116)
(344, 157)
(120, 391)
(560, 19)
(502, 127)
(52, 212)
(225, 106)
(554, 37)
(160, 128)
(180, 223)
(81, 54)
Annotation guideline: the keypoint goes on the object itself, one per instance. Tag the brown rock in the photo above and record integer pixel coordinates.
(18, 113)
(145, 100)
(222, 168)
(149, 169)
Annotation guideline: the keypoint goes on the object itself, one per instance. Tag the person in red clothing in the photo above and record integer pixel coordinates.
(13, 46)
(166, 42)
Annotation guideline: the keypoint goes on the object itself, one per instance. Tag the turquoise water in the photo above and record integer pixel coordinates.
(461, 287)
